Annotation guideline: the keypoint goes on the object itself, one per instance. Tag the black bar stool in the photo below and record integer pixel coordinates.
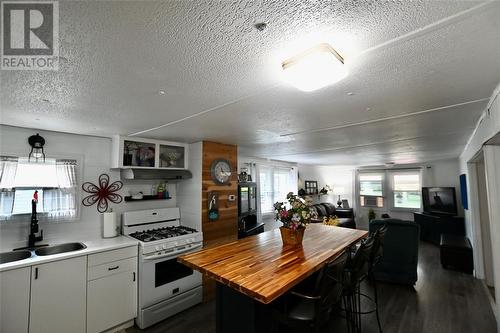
(360, 267)
(356, 271)
(312, 309)
(375, 257)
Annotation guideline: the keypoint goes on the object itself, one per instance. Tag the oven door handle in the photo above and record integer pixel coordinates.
(171, 254)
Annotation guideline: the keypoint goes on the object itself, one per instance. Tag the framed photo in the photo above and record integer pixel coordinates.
(136, 153)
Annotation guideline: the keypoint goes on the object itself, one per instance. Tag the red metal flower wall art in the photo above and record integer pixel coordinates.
(102, 193)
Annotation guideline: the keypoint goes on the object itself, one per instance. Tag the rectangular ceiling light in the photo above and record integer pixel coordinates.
(314, 68)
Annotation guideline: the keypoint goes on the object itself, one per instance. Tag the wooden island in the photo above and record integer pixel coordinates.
(255, 271)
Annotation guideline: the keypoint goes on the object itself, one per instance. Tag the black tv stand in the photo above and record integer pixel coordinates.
(432, 226)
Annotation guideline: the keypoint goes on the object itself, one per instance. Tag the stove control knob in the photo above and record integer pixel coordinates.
(157, 248)
(175, 244)
(164, 246)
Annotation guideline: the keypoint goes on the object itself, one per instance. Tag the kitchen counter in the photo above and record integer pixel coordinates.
(93, 246)
(262, 268)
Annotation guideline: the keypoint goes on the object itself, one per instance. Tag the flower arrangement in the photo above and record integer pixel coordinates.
(296, 214)
(331, 220)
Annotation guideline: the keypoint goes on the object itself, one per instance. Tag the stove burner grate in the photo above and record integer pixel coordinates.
(162, 233)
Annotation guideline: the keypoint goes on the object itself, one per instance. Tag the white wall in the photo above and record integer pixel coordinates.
(189, 191)
(93, 154)
(340, 178)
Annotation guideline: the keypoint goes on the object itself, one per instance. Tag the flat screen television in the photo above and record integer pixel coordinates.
(439, 200)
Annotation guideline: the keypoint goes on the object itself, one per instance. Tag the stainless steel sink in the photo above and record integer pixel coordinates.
(6, 257)
(61, 248)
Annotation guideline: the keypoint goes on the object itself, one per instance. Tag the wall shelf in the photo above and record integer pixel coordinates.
(146, 197)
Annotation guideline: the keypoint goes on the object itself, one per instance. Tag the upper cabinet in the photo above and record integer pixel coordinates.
(132, 152)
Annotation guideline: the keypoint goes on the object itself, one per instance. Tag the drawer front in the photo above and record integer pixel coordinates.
(113, 255)
(111, 268)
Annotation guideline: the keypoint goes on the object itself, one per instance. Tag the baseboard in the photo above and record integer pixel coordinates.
(120, 328)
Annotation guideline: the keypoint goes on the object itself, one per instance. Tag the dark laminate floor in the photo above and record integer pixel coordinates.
(442, 301)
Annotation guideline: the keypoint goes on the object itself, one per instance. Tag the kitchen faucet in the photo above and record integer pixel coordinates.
(33, 238)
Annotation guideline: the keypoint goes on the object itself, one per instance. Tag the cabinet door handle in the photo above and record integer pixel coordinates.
(113, 268)
(133, 274)
(36, 273)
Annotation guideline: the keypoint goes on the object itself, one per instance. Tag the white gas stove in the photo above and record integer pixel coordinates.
(166, 287)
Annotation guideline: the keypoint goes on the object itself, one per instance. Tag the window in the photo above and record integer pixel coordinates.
(371, 190)
(22, 201)
(406, 190)
(275, 183)
(55, 181)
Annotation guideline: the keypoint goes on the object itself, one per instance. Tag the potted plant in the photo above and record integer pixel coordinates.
(371, 215)
(294, 215)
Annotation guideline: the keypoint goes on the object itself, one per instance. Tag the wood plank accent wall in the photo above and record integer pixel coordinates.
(225, 229)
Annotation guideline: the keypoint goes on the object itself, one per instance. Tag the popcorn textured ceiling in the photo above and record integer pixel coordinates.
(221, 76)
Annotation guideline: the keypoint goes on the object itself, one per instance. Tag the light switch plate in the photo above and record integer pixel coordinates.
(231, 197)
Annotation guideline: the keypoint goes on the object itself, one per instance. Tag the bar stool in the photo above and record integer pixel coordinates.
(312, 310)
(375, 257)
(372, 255)
(356, 271)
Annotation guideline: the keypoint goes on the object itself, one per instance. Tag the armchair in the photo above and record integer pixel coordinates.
(400, 258)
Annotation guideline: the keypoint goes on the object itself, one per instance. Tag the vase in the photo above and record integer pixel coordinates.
(292, 237)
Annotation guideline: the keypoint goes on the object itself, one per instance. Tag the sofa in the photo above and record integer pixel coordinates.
(345, 215)
(400, 257)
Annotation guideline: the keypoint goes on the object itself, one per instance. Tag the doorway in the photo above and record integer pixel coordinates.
(484, 223)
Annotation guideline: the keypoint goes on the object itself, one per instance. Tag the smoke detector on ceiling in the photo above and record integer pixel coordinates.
(261, 26)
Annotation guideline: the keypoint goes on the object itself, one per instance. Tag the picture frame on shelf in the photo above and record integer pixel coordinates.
(137, 153)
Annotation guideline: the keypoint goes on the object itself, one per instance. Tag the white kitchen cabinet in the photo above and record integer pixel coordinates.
(133, 152)
(15, 298)
(58, 295)
(111, 289)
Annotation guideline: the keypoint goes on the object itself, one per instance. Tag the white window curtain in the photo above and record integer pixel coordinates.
(56, 181)
(8, 167)
(61, 201)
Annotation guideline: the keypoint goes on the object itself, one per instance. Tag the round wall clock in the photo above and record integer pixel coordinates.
(221, 171)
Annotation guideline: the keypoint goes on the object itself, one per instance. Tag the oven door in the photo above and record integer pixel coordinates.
(164, 277)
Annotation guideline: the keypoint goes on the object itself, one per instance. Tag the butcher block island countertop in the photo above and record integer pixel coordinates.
(263, 269)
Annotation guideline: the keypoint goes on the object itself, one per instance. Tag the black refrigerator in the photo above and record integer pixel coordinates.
(247, 210)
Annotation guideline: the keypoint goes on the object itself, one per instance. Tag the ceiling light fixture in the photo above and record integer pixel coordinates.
(161, 92)
(314, 68)
(36, 142)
